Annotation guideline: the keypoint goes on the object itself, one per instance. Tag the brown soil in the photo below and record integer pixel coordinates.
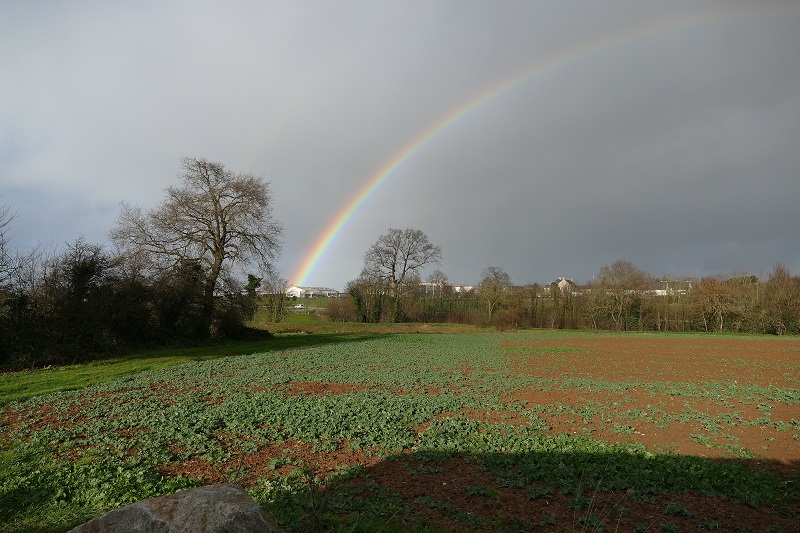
(458, 481)
(619, 359)
(742, 360)
(272, 461)
(739, 361)
(673, 423)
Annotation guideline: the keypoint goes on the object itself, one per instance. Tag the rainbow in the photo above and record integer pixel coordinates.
(388, 169)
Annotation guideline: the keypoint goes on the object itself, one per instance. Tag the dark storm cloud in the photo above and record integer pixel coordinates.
(669, 140)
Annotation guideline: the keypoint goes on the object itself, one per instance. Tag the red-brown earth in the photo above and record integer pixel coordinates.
(675, 422)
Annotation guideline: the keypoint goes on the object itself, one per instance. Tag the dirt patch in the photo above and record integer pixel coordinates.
(45, 416)
(457, 495)
(695, 359)
(271, 461)
(727, 424)
(684, 425)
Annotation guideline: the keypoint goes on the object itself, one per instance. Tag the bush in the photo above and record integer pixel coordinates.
(341, 310)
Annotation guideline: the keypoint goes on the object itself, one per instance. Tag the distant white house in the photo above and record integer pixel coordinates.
(566, 286)
(459, 288)
(307, 292)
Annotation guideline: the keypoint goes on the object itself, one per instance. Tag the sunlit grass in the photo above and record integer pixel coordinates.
(295, 330)
(21, 385)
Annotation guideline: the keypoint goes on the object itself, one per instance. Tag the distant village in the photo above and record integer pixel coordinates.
(565, 285)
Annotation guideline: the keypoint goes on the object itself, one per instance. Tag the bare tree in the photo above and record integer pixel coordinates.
(782, 302)
(494, 289)
(439, 281)
(368, 292)
(397, 256)
(6, 216)
(215, 218)
(275, 288)
(713, 302)
(617, 292)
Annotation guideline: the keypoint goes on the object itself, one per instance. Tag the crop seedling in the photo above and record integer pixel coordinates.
(676, 508)
(479, 490)
(668, 527)
(547, 520)
(708, 524)
(536, 492)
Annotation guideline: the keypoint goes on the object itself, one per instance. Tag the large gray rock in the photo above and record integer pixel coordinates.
(211, 509)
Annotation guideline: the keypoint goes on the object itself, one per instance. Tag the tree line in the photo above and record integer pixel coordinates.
(621, 296)
(169, 275)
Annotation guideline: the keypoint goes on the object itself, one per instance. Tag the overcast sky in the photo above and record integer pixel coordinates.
(662, 133)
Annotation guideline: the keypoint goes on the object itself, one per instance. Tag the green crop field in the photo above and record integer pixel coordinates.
(549, 431)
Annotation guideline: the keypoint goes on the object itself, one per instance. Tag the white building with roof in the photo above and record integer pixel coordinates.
(296, 291)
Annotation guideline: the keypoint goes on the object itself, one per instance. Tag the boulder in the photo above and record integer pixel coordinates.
(210, 509)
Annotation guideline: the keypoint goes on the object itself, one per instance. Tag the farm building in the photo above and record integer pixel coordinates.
(307, 292)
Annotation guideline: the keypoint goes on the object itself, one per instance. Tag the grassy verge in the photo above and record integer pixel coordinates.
(22, 385)
(296, 331)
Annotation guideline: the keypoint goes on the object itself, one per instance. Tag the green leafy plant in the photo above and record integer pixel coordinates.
(708, 524)
(479, 490)
(668, 527)
(676, 508)
(547, 520)
(535, 492)
(423, 400)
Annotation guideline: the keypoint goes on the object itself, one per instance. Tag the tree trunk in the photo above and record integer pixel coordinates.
(208, 304)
